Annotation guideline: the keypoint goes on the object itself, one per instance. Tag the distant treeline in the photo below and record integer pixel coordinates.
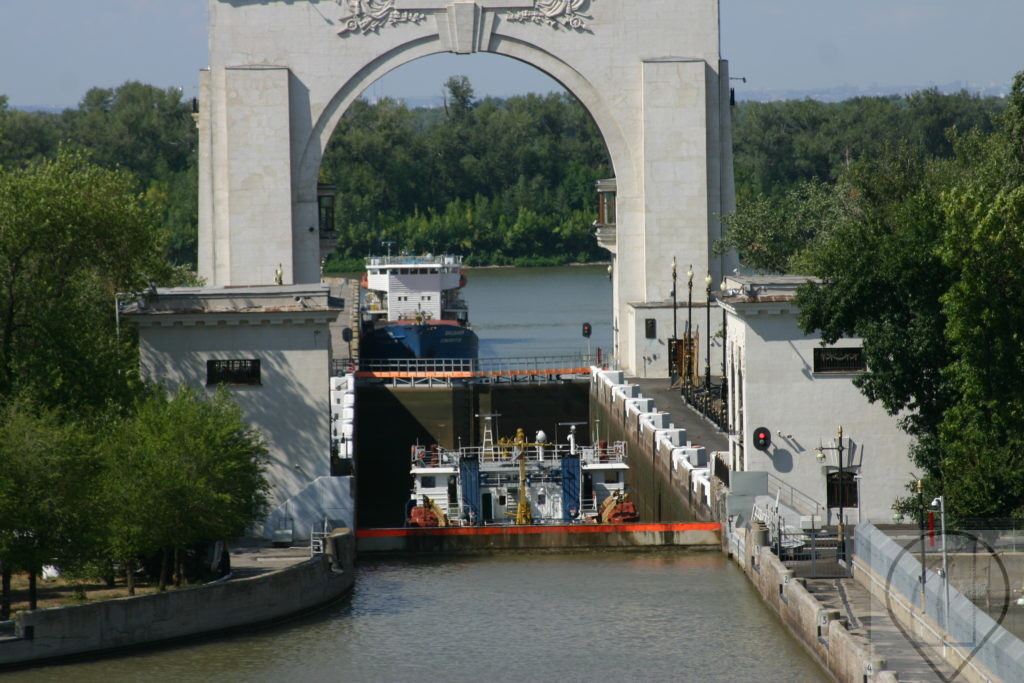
(498, 181)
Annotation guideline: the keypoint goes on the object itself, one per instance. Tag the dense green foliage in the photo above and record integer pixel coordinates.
(143, 130)
(778, 145)
(918, 246)
(71, 235)
(499, 181)
(94, 466)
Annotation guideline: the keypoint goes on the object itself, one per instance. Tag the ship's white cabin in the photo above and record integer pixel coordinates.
(415, 287)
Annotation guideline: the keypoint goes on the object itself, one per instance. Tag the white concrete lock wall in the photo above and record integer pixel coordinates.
(282, 74)
(782, 393)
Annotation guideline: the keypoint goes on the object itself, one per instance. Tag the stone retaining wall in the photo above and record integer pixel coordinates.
(60, 632)
(820, 630)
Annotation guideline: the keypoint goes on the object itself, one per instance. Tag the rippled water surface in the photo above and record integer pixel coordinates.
(520, 312)
(601, 616)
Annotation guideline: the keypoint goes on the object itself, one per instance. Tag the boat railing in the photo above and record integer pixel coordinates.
(408, 260)
(510, 453)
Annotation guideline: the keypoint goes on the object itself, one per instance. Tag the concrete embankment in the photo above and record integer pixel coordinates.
(672, 476)
(228, 605)
(549, 537)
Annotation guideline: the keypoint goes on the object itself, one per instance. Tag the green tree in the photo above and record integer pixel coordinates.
(184, 469)
(47, 470)
(71, 236)
(983, 472)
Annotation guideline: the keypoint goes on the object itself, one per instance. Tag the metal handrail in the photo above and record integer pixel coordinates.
(789, 495)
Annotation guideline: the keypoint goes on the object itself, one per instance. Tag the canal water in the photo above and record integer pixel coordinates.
(610, 615)
(527, 312)
(659, 616)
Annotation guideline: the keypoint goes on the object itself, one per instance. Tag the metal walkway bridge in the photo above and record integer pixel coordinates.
(446, 371)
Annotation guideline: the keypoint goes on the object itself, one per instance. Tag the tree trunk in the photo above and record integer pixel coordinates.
(108, 574)
(165, 561)
(177, 567)
(32, 596)
(5, 593)
(129, 576)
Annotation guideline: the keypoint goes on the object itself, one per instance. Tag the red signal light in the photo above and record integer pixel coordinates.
(762, 438)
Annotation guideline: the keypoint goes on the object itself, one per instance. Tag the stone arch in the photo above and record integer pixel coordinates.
(282, 73)
(574, 82)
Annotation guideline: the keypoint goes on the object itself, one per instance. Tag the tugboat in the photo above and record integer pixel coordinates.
(411, 308)
(515, 481)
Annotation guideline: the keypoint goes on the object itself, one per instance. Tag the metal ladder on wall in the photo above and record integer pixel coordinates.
(318, 539)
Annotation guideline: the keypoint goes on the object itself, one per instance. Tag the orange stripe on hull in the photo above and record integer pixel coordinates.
(547, 529)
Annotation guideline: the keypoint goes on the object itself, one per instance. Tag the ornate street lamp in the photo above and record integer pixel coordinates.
(707, 333)
(839, 448)
(689, 325)
(725, 385)
(675, 327)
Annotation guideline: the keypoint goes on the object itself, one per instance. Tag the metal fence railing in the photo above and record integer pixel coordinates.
(470, 367)
(708, 401)
(813, 554)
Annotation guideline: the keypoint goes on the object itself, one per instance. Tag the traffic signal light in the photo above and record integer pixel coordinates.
(587, 330)
(762, 438)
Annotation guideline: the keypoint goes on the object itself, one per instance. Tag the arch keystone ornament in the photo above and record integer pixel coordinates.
(283, 72)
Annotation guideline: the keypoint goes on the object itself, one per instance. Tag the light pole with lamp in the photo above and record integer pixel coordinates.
(675, 326)
(689, 325)
(839, 449)
(940, 502)
(707, 333)
(725, 385)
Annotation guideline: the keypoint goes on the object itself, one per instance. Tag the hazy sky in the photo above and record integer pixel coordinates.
(52, 51)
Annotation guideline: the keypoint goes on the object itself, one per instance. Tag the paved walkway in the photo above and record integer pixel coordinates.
(699, 430)
(870, 622)
(252, 557)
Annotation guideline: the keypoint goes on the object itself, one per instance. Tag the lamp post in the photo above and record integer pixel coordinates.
(839, 449)
(689, 325)
(675, 326)
(940, 502)
(707, 334)
(725, 385)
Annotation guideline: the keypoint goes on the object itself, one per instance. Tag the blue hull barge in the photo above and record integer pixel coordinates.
(411, 308)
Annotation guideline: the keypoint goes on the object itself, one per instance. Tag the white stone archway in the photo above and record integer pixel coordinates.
(282, 72)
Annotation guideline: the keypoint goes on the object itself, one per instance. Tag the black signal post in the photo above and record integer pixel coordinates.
(841, 528)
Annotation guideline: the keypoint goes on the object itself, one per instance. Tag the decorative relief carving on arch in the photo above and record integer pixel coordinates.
(555, 13)
(370, 16)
